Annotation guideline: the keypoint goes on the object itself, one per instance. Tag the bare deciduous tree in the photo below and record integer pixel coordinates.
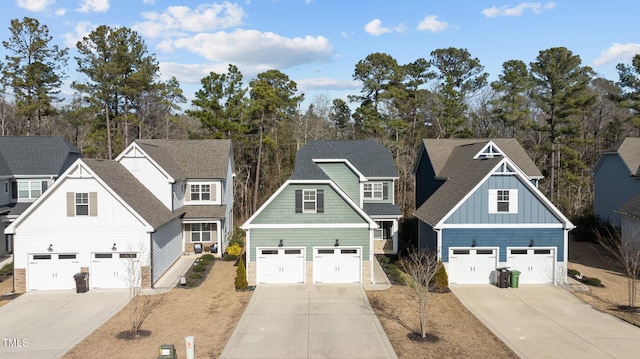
(141, 305)
(422, 265)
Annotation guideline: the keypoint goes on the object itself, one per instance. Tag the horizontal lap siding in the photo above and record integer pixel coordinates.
(281, 210)
(309, 238)
(344, 178)
(613, 186)
(167, 248)
(476, 208)
(503, 238)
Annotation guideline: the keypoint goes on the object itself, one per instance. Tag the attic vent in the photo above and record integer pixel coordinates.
(489, 151)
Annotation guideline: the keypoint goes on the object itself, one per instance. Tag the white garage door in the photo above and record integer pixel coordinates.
(536, 265)
(52, 271)
(336, 265)
(280, 265)
(472, 265)
(114, 270)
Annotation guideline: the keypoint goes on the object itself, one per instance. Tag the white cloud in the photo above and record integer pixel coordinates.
(149, 2)
(87, 6)
(182, 18)
(189, 73)
(517, 10)
(618, 53)
(431, 23)
(251, 47)
(375, 28)
(34, 5)
(82, 29)
(324, 83)
(61, 12)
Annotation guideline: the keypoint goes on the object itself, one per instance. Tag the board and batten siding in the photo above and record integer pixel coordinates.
(475, 210)
(309, 238)
(150, 176)
(48, 223)
(613, 187)
(344, 177)
(166, 248)
(281, 210)
(503, 238)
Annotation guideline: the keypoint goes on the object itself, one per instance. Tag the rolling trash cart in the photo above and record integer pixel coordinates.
(503, 277)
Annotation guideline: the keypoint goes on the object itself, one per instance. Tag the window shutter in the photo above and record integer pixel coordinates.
(513, 201)
(320, 199)
(14, 190)
(298, 201)
(187, 192)
(493, 201)
(214, 192)
(385, 191)
(93, 204)
(71, 204)
(44, 186)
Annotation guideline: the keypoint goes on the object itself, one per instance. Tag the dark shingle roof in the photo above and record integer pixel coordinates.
(190, 159)
(36, 155)
(368, 156)
(125, 185)
(381, 209)
(452, 160)
(200, 212)
(631, 208)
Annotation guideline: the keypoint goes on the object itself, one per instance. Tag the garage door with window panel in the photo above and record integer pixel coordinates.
(114, 270)
(535, 264)
(53, 271)
(337, 265)
(280, 265)
(472, 265)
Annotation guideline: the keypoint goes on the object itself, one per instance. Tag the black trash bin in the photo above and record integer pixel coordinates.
(82, 282)
(504, 277)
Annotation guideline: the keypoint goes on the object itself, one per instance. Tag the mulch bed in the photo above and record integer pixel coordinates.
(195, 276)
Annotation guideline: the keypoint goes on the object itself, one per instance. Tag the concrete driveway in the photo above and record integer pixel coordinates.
(309, 321)
(47, 324)
(545, 321)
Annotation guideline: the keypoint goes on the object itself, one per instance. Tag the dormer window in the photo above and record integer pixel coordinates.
(201, 192)
(373, 190)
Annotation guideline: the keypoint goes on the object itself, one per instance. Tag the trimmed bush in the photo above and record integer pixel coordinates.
(234, 250)
(440, 281)
(573, 272)
(595, 282)
(195, 276)
(202, 262)
(199, 268)
(7, 269)
(241, 276)
(207, 257)
(230, 257)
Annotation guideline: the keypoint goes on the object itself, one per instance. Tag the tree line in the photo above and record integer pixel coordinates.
(561, 112)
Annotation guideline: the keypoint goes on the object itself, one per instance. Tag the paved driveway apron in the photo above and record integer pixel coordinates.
(47, 324)
(309, 321)
(545, 321)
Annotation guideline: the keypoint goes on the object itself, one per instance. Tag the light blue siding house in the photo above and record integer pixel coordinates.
(616, 178)
(325, 223)
(479, 207)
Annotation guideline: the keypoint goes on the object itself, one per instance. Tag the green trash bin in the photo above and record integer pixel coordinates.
(515, 277)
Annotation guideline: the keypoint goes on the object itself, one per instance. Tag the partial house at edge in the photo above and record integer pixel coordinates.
(28, 167)
(126, 221)
(479, 207)
(630, 223)
(616, 178)
(325, 223)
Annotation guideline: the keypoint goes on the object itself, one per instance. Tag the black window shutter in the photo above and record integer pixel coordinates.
(298, 201)
(14, 190)
(320, 198)
(385, 191)
(44, 186)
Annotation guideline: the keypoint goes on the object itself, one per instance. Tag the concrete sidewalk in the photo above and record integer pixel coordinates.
(546, 321)
(309, 321)
(47, 324)
(381, 281)
(171, 277)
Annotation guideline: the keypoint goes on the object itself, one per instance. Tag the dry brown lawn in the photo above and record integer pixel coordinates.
(6, 287)
(209, 312)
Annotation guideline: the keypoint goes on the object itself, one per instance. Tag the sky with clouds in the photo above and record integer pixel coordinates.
(318, 42)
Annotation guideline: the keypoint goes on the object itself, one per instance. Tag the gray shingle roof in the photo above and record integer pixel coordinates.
(381, 209)
(35, 155)
(631, 208)
(190, 159)
(629, 151)
(204, 212)
(453, 159)
(125, 185)
(368, 156)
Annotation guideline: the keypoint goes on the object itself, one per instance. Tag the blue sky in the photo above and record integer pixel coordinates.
(318, 42)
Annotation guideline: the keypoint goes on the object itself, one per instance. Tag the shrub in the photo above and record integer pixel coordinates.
(230, 257)
(237, 237)
(592, 282)
(191, 283)
(573, 272)
(203, 262)
(440, 280)
(207, 257)
(384, 260)
(234, 250)
(195, 276)
(7, 269)
(398, 276)
(199, 268)
(241, 276)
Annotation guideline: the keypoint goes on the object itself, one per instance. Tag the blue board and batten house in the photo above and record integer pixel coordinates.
(479, 207)
(325, 223)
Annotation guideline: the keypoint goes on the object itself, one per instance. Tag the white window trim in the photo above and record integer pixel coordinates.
(76, 204)
(214, 193)
(305, 201)
(493, 201)
(30, 184)
(201, 231)
(376, 194)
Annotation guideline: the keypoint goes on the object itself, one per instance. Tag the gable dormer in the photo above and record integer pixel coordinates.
(490, 150)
